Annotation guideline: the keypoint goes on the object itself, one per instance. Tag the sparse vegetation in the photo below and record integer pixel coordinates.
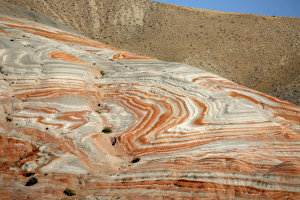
(69, 192)
(114, 141)
(135, 160)
(107, 130)
(102, 73)
(30, 174)
(32, 181)
(98, 111)
(8, 119)
(17, 162)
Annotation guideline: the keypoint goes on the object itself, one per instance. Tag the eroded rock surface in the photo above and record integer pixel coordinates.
(256, 51)
(178, 132)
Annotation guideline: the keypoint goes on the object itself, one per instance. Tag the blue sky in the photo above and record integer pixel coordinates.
(285, 8)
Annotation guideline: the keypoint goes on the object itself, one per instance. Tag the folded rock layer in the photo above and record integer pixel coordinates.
(257, 51)
(178, 132)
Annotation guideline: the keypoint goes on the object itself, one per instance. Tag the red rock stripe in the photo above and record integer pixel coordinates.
(57, 35)
(65, 56)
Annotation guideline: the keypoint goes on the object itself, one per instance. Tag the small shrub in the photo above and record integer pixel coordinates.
(107, 130)
(135, 160)
(30, 174)
(102, 73)
(114, 141)
(98, 111)
(32, 181)
(69, 192)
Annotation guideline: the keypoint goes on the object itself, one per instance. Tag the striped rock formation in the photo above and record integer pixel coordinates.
(178, 132)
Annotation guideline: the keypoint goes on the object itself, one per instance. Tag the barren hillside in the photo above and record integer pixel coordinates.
(260, 52)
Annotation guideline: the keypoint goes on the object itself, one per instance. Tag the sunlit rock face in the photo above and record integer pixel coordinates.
(178, 132)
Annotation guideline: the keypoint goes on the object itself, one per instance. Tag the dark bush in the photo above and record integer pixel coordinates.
(32, 181)
(69, 192)
(30, 174)
(114, 141)
(135, 160)
(107, 130)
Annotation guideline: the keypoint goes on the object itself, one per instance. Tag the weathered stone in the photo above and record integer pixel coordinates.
(178, 132)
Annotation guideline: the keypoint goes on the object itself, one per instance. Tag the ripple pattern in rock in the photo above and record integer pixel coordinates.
(178, 132)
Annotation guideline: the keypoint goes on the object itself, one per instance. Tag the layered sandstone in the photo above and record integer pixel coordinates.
(178, 132)
(259, 52)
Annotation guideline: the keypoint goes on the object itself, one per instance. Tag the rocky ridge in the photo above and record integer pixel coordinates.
(178, 132)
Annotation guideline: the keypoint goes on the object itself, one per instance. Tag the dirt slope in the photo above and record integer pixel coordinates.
(260, 52)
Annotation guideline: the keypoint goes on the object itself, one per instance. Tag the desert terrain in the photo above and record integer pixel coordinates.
(259, 52)
(80, 119)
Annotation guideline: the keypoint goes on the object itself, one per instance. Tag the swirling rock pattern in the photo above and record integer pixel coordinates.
(259, 52)
(178, 132)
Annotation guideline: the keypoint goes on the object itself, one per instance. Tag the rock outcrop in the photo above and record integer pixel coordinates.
(259, 52)
(178, 132)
